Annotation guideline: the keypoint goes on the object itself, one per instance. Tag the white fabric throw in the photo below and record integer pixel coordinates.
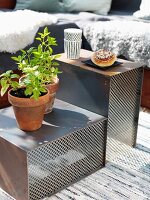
(18, 28)
(128, 38)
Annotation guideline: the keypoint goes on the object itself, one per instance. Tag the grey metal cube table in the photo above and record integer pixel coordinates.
(70, 145)
(114, 92)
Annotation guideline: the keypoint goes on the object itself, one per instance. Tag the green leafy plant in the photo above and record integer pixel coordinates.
(8, 80)
(38, 66)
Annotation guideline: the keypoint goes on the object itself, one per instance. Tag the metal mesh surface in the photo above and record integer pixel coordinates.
(123, 113)
(55, 165)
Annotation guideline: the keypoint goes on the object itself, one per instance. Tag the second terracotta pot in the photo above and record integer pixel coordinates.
(53, 87)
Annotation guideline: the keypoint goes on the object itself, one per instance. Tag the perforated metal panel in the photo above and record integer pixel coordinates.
(123, 113)
(57, 164)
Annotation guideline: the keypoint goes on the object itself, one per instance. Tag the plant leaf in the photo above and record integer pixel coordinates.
(36, 93)
(38, 38)
(28, 91)
(55, 63)
(4, 89)
(14, 76)
(14, 84)
(15, 58)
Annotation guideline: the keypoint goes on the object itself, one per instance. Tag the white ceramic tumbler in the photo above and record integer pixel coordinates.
(72, 42)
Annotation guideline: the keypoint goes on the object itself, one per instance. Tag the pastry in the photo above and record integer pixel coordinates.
(103, 58)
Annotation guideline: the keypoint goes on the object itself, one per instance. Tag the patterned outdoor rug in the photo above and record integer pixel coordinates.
(126, 177)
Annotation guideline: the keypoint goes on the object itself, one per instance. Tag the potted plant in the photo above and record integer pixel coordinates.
(33, 91)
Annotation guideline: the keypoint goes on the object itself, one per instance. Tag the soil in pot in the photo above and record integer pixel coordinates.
(29, 112)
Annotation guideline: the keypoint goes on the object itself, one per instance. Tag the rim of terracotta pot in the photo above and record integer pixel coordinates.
(28, 102)
(53, 87)
(55, 81)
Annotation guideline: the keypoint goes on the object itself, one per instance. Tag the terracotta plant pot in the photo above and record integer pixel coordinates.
(29, 112)
(53, 87)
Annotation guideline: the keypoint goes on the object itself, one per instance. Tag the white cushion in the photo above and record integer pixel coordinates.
(144, 12)
(18, 28)
(97, 6)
